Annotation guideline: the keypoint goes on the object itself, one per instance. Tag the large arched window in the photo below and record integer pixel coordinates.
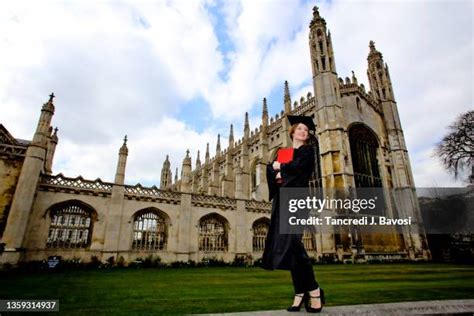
(149, 230)
(260, 230)
(364, 147)
(71, 225)
(213, 233)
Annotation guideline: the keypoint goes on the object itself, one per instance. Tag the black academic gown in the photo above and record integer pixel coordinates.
(282, 251)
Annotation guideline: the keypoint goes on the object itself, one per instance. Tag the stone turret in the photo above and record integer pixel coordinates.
(186, 174)
(166, 176)
(264, 114)
(379, 77)
(287, 98)
(218, 146)
(207, 154)
(246, 126)
(33, 165)
(231, 137)
(122, 162)
(198, 161)
(113, 235)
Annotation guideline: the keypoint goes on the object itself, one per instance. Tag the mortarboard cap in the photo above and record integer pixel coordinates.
(306, 120)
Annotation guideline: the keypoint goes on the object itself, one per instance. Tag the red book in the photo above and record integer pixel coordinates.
(285, 155)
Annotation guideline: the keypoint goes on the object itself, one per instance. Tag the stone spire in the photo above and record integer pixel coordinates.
(374, 53)
(43, 131)
(231, 136)
(176, 176)
(264, 113)
(218, 146)
(186, 173)
(325, 81)
(198, 161)
(122, 162)
(287, 98)
(166, 176)
(317, 19)
(26, 186)
(187, 158)
(246, 126)
(379, 77)
(207, 154)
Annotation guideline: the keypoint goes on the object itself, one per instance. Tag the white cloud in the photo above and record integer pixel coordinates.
(269, 40)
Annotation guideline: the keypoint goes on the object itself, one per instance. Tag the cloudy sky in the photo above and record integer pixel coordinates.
(173, 74)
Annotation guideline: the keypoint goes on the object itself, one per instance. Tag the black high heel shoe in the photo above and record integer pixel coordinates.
(307, 304)
(297, 308)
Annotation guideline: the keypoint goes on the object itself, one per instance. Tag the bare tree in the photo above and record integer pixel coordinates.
(456, 150)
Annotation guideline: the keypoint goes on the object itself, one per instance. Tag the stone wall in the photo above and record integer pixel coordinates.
(9, 173)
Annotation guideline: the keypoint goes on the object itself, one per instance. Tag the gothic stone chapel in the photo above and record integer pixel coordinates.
(220, 207)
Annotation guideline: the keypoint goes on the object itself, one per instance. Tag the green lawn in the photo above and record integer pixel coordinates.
(206, 290)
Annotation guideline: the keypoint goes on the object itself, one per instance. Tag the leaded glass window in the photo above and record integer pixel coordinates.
(149, 231)
(212, 234)
(71, 227)
(260, 231)
(364, 147)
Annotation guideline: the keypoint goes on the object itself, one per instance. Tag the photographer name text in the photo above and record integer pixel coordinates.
(364, 220)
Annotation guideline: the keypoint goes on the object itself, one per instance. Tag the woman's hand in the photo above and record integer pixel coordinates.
(276, 165)
(278, 175)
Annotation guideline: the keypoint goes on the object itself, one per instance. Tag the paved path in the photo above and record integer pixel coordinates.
(444, 307)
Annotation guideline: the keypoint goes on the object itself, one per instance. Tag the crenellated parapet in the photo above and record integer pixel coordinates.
(78, 185)
(305, 105)
(349, 87)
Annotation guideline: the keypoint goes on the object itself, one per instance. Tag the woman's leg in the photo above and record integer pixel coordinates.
(303, 278)
(302, 272)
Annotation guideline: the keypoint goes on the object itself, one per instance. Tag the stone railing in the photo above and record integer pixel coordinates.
(213, 201)
(258, 206)
(13, 150)
(139, 191)
(62, 183)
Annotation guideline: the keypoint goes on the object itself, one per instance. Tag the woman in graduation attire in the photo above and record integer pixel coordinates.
(286, 251)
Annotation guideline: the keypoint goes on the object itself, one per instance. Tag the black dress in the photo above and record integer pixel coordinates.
(286, 251)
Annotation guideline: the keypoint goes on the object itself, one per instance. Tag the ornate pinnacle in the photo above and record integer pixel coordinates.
(287, 92)
(317, 19)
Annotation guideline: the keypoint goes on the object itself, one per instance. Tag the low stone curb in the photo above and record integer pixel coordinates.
(439, 307)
